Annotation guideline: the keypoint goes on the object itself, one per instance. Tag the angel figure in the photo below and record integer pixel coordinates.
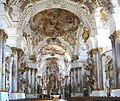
(85, 34)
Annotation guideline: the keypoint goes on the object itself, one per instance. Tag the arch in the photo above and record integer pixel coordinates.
(34, 8)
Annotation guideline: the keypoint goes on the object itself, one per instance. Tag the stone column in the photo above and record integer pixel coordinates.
(10, 86)
(112, 37)
(72, 76)
(3, 37)
(30, 79)
(14, 70)
(93, 52)
(80, 79)
(19, 59)
(76, 78)
(27, 79)
(99, 67)
(33, 80)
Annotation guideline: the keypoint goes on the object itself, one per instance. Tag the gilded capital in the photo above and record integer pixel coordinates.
(20, 52)
(115, 35)
(72, 69)
(3, 34)
(14, 49)
(100, 49)
(95, 50)
(33, 58)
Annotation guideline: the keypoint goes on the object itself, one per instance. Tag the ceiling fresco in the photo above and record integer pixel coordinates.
(53, 49)
(52, 23)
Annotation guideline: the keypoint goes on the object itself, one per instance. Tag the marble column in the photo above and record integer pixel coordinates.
(76, 78)
(33, 80)
(3, 37)
(112, 37)
(27, 79)
(10, 74)
(30, 79)
(19, 59)
(99, 68)
(79, 77)
(72, 76)
(14, 70)
(93, 52)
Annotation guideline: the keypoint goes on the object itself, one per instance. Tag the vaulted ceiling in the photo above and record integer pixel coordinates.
(54, 29)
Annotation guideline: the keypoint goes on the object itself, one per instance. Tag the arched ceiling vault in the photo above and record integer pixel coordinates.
(52, 28)
(55, 29)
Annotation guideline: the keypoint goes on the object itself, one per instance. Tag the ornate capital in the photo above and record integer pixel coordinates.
(33, 58)
(100, 49)
(3, 34)
(95, 50)
(72, 69)
(14, 49)
(20, 52)
(115, 35)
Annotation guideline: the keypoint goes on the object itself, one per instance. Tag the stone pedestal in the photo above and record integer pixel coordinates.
(18, 96)
(4, 96)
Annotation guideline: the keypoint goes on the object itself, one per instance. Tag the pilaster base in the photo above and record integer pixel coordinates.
(76, 94)
(114, 93)
(18, 96)
(98, 93)
(31, 95)
(4, 96)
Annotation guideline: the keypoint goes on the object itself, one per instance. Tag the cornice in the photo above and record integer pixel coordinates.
(5, 17)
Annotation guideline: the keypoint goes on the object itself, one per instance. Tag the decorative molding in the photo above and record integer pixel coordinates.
(95, 50)
(5, 17)
(83, 13)
(115, 35)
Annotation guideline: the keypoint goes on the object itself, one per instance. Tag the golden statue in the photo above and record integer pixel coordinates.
(104, 14)
(85, 34)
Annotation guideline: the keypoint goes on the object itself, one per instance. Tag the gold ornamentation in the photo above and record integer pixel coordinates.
(104, 14)
(35, 0)
(33, 58)
(85, 34)
(14, 49)
(115, 35)
(95, 50)
(74, 58)
(71, 39)
(3, 34)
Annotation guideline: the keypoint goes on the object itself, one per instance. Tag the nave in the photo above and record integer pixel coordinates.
(66, 48)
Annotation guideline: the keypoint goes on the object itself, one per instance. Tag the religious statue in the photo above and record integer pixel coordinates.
(104, 14)
(85, 34)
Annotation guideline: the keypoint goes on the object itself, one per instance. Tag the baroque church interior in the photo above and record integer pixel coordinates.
(59, 48)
